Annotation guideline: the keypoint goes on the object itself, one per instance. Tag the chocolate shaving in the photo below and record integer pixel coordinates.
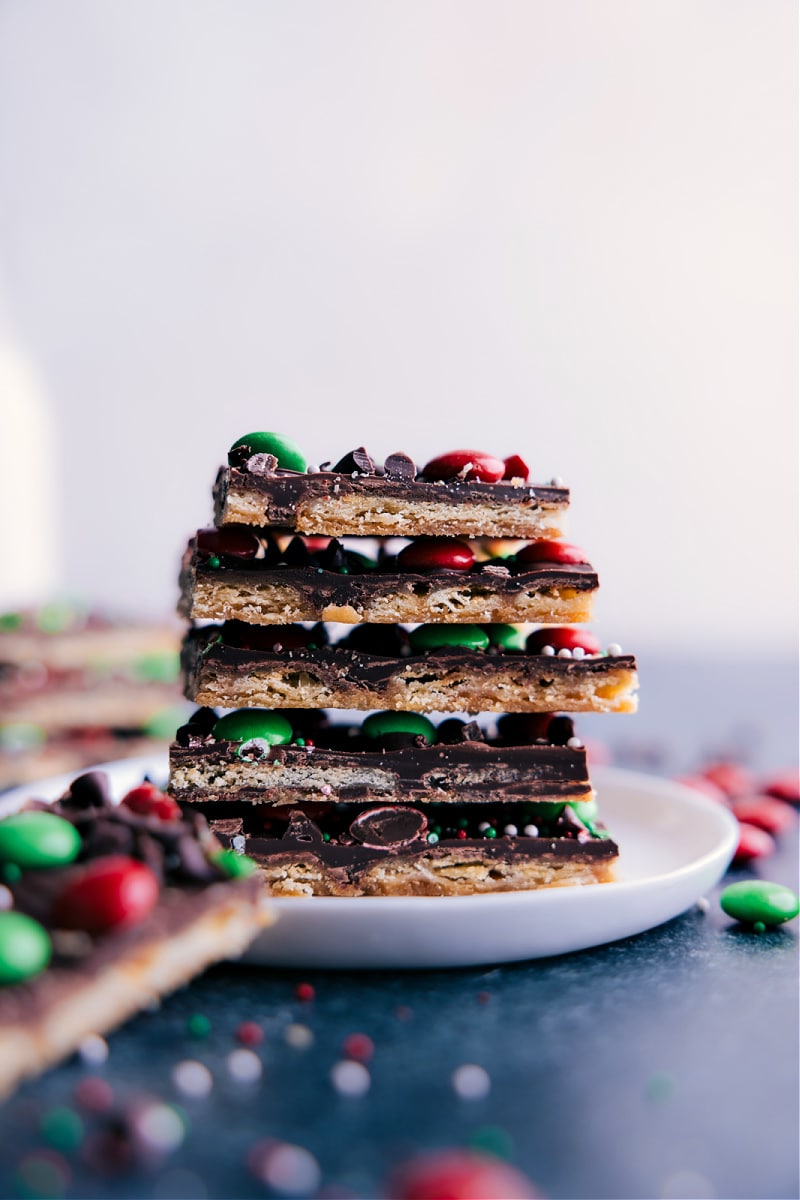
(357, 462)
(88, 791)
(400, 467)
(392, 825)
(262, 464)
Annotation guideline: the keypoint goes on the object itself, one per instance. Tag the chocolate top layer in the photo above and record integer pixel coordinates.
(283, 490)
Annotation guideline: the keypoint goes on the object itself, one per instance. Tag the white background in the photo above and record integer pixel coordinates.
(562, 228)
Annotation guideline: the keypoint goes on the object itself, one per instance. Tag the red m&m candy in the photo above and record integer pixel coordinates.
(563, 638)
(460, 1175)
(149, 801)
(107, 893)
(551, 552)
(765, 812)
(516, 468)
(431, 554)
(753, 843)
(465, 464)
(785, 787)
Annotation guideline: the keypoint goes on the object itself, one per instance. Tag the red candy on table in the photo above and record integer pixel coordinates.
(106, 894)
(359, 1047)
(460, 1175)
(700, 784)
(231, 541)
(516, 468)
(465, 464)
(430, 554)
(733, 778)
(765, 812)
(549, 551)
(784, 787)
(563, 638)
(149, 801)
(753, 843)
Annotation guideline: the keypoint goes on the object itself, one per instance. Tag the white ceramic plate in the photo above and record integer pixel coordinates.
(674, 845)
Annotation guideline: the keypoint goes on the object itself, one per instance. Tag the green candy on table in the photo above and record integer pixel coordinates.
(507, 637)
(379, 724)
(757, 902)
(287, 452)
(25, 948)
(440, 637)
(248, 723)
(235, 866)
(38, 839)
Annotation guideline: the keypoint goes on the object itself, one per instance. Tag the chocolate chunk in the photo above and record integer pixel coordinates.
(388, 641)
(332, 558)
(560, 730)
(261, 464)
(89, 791)
(192, 864)
(357, 461)
(400, 467)
(392, 825)
(296, 553)
(301, 828)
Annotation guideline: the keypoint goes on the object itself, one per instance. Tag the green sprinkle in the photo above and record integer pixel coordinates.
(759, 927)
(235, 866)
(490, 833)
(198, 1026)
(299, 741)
(213, 561)
(62, 1129)
(326, 837)
(493, 1140)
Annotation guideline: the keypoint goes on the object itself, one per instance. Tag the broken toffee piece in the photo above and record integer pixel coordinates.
(232, 573)
(111, 907)
(424, 850)
(446, 669)
(462, 493)
(528, 758)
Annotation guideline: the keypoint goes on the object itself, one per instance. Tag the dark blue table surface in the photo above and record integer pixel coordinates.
(662, 1066)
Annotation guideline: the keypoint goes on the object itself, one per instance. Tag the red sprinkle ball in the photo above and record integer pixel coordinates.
(551, 551)
(465, 464)
(304, 992)
(146, 800)
(250, 1033)
(94, 1094)
(359, 1047)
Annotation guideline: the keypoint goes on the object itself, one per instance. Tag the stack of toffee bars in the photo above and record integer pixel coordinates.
(311, 577)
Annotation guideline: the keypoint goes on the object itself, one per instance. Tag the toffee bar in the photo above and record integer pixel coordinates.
(451, 678)
(234, 574)
(339, 763)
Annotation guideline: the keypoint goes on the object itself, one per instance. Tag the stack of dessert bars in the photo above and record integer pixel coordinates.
(384, 656)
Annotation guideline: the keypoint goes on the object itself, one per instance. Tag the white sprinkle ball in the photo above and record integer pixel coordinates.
(326, 789)
(244, 1066)
(93, 1050)
(192, 1079)
(299, 1037)
(290, 1170)
(6, 898)
(471, 1082)
(238, 843)
(614, 650)
(556, 481)
(350, 1078)
(575, 743)
(578, 652)
(703, 904)
(510, 831)
(484, 825)
(161, 1127)
(564, 652)
(548, 651)
(531, 831)
(312, 469)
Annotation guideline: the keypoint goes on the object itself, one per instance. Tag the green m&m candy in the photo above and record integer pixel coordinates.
(440, 637)
(377, 725)
(755, 901)
(38, 839)
(287, 452)
(235, 866)
(25, 947)
(507, 637)
(248, 723)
